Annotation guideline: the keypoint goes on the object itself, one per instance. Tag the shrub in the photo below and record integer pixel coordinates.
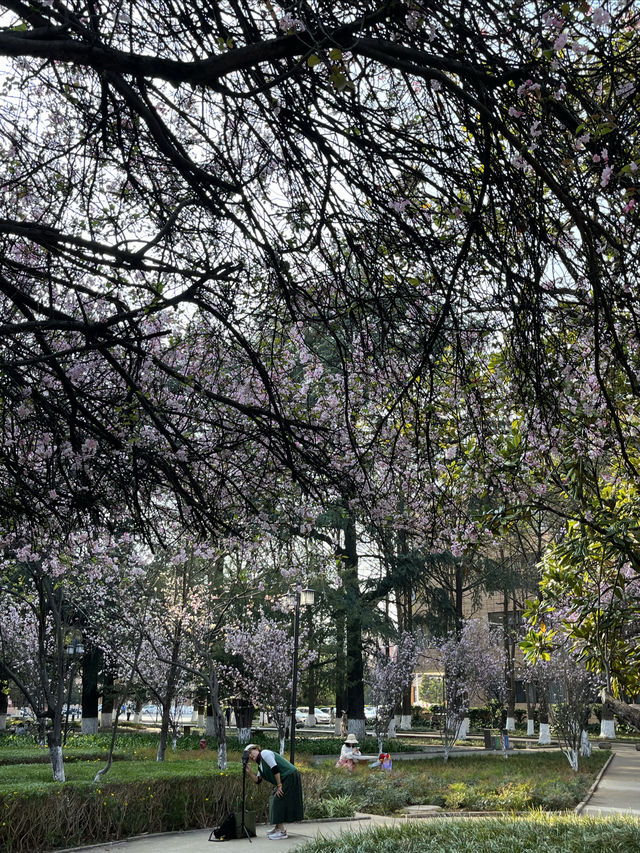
(460, 795)
(480, 718)
(80, 813)
(343, 806)
(382, 795)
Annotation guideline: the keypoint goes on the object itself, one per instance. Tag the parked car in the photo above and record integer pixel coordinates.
(323, 716)
(301, 716)
(370, 713)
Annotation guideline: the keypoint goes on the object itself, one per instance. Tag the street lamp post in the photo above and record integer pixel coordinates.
(74, 649)
(306, 598)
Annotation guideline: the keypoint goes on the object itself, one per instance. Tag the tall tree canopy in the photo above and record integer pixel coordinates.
(392, 175)
(373, 249)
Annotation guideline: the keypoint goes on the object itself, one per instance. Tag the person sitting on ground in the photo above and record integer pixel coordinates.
(285, 803)
(349, 753)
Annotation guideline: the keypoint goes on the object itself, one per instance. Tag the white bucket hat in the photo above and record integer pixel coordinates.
(351, 738)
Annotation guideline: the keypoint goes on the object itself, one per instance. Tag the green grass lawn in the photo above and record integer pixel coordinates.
(187, 791)
(519, 782)
(27, 777)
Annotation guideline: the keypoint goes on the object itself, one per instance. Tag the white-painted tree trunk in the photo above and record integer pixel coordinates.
(585, 746)
(264, 718)
(337, 727)
(210, 728)
(57, 764)
(201, 722)
(232, 719)
(3, 722)
(358, 728)
(310, 720)
(531, 727)
(244, 735)
(90, 725)
(391, 731)
(222, 755)
(510, 725)
(405, 722)
(464, 728)
(544, 735)
(608, 729)
(136, 717)
(572, 758)
(281, 746)
(194, 715)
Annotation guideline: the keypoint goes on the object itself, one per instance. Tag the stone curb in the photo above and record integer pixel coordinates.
(579, 808)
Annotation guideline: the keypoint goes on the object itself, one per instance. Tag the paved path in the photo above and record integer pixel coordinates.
(198, 840)
(618, 791)
(619, 788)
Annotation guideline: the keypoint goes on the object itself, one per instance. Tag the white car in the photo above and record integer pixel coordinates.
(323, 716)
(370, 713)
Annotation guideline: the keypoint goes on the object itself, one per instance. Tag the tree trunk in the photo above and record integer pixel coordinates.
(459, 597)
(218, 717)
(243, 712)
(509, 652)
(91, 660)
(341, 666)
(54, 742)
(4, 707)
(355, 666)
(607, 722)
(108, 697)
(629, 713)
(405, 623)
(544, 733)
(572, 758)
(585, 746)
(530, 707)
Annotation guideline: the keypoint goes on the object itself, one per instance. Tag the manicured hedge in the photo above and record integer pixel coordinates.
(304, 745)
(76, 814)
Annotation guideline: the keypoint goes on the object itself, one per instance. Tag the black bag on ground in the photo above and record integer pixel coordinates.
(227, 829)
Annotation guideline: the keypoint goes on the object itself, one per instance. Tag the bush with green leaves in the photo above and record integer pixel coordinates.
(187, 793)
(138, 798)
(478, 783)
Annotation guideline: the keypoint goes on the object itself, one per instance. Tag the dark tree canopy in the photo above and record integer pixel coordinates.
(193, 196)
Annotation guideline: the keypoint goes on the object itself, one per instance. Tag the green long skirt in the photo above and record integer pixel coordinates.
(287, 809)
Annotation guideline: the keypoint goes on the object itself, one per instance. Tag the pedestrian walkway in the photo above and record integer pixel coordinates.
(618, 791)
(197, 841)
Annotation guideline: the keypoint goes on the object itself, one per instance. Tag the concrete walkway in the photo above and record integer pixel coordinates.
(617, 791)
(197, 841)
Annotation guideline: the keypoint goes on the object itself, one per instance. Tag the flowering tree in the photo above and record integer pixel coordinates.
(388, 678)
(473, 664)
(265, 673)
(217, 267)
(569, 691)
(153, 131)
(50, 595)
